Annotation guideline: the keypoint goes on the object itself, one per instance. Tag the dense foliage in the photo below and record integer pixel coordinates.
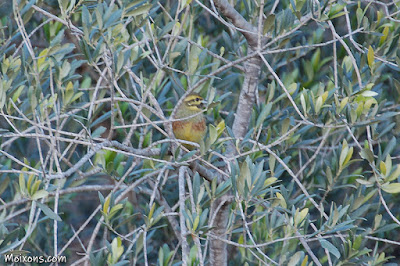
(89, 167)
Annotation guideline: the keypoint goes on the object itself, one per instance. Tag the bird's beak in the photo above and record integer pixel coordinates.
(203, 103)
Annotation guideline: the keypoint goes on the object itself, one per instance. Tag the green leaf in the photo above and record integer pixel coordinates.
(303, 103)
(196, 187)
(391, 188)
(370, 57)
(116, 251)
(40, 194)
(48, 212)
(394, 175)
(269, 181)
(292, 88)
(139, 11)
(285, 126)
(34, 187)
(196, 222)
(318, 104)
(359, 15)
(389, 147)
(367, 155)
(271, 164)
(106, 205)
(343, 153)
(113, 18)
(377, 221)
(99, 16)
(161, 256)
(269, 22)
(300, 215)
(385, 33)
(29, 184)
(4, 184)
(263, 115)
(152, 211)
(281, 200)
(134, 3)
(64, 5)
(369, 94)
(194, 59)
(343, 103)
(295, 258)
(220, 127)
(17, 93)
(348, 156)
(22, 183)
(187, 2)
(305, 260)
(213, 133)
(388, 164)
(338, 15)
(66, 67)
(331, 248)
(114, 210)
(357, 242)
(187, 156)
(329, 176)
(244, 177)
(364, 182)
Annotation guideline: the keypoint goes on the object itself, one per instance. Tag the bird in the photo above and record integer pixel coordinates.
(194, 127)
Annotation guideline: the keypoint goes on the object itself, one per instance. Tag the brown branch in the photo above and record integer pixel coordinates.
(242, 25)
(221, 206)
(203, 171)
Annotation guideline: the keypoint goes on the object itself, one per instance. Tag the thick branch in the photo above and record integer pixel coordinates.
(185, 246)
(247, 97)
(203, 171)
(220, 207)
(248, 31)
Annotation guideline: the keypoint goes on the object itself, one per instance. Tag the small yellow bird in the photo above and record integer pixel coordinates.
(194, 127)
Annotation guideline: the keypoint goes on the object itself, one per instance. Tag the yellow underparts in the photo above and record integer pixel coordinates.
(190, 131)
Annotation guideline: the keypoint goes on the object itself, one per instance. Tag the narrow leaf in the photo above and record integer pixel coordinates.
(48, 212)
(370, 56)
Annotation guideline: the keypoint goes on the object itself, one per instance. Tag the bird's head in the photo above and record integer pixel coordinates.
(194, 102)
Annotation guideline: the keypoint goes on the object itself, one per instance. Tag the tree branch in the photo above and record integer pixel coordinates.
(218, 248)
(242, 25)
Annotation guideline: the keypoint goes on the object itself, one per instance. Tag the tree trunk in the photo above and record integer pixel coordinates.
(218, 248)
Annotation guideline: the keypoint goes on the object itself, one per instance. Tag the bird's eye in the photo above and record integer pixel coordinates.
(198, 99)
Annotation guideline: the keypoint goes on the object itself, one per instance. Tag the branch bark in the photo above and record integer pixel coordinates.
(247, 96)
(242, 25)
(185, 245)
(218, 248)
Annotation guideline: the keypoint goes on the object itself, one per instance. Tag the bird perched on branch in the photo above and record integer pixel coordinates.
(191, 124)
